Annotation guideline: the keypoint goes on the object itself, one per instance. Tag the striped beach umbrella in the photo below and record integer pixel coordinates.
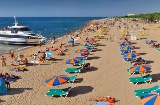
(126, 47)
(19, 57)
(140, 68)
(131, 55)
(57, 80)
(123, 43)
(151, 98)
(73, 61)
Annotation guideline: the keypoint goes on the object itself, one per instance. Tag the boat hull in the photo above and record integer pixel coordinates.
(19, 41)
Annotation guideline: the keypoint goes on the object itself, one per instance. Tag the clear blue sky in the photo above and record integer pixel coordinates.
(76, 8)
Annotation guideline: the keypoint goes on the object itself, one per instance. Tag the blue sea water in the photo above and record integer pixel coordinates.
(48, 26)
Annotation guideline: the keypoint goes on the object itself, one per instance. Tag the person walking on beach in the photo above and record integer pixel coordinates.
(3, 61)
(34, 59)
(12, 55)
(7, 82)
(40, 43)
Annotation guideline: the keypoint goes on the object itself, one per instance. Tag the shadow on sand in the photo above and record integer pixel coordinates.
(90, 70)
(80, 90)
(78, 80)
(142, 53)
(149, 61)
(14, 91)
(137, 47)
(95, 57)
(155, 77)
(142, 38)
(96, 50)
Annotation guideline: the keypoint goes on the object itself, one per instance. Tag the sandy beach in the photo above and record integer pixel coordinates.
(107, 76)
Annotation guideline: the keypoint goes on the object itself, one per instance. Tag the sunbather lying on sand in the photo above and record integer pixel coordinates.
(99, 99)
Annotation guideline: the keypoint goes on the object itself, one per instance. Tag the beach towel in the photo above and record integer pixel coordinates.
(100, 103)
(16, 70)
(35, 62)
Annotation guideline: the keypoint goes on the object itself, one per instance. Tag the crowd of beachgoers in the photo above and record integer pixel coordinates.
(93, 81)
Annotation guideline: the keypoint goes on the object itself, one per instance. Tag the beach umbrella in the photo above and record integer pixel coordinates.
(131, 55)
(123, 38)
(151, 98)
(70, 41)
(123, 43)
(19, 57)
(140, 68)
(73, 61)
(57, 80)
(125, 47)
(128, 47)
(81, 50)
(48, 54)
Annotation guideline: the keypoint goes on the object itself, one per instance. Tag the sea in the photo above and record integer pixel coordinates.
(47, 26)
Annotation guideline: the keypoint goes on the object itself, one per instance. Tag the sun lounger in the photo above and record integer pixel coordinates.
(73, 70)
(158, 49)
(58, 92)
(72, 78)
(136, 80)
(142, 92)
(80, 63)
(89, 47)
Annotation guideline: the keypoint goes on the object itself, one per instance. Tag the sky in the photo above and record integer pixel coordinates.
(76, 8)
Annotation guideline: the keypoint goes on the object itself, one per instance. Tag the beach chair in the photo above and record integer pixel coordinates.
(89, 47)
(136, 80)
(158, 49)
(142, 92)
(80, 63)
(73, 70)
(58, 92)
(72, 78)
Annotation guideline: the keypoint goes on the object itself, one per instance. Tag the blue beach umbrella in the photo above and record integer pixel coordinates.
(57, 80)
(151, 98)
(70, 41)
(48, 54)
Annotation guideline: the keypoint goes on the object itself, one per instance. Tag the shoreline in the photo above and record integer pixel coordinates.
(58, 38)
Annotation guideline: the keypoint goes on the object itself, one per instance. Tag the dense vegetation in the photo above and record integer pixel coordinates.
(150, 17)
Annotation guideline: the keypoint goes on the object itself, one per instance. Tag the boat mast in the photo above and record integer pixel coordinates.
(15, 21)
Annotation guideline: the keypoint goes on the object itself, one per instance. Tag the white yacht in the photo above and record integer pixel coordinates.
(19, 35)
